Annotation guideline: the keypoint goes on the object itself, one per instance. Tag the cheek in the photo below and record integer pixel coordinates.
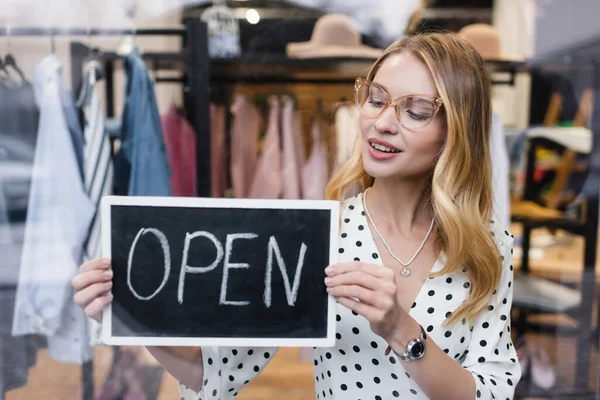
(430, 140)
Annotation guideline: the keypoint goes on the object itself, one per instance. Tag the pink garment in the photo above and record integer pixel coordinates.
(291, 166)
(218, 157)
(315, 170)
(180, 141)
(268, 182)
(299, 140)
(245, 131)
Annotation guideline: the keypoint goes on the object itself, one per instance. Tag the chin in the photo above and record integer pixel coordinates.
(381, 169)
(391, 169)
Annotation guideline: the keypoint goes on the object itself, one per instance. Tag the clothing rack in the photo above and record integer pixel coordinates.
(571, 61)
(192, 60)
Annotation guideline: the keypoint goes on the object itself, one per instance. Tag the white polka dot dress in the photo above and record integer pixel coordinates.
(357, 368)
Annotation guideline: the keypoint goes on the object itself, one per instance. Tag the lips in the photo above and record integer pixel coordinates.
(381, 150)
(383, 146)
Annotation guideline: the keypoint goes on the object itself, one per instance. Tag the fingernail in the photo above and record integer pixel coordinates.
(108, 284)
(329, 269)
(328, 281)
(106, 261)
(329, 290)
(108, 274)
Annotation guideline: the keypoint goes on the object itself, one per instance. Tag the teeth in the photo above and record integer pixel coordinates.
(381, 147)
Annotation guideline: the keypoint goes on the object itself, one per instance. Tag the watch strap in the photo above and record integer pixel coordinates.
(406, 355)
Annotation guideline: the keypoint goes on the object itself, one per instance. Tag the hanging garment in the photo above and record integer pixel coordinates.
(315, 171)
(5, 231)
(98, 170)
(141, 165)
(98, 165)
(267, 183)
(58, 217)
(500, 172)
(18, 132)
(180, 140)
(74, 126)
(299, 141)
(291, 166)
(347, 130)
(218, 157)
(19, 113)
(245, 131)
(17, 354)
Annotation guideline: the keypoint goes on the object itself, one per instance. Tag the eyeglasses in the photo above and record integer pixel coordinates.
(412, 111)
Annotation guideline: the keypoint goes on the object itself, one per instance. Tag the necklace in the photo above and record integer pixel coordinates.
(405, 271)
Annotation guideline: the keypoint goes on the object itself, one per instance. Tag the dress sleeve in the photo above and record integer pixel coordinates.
(227, 370)
(492, 358)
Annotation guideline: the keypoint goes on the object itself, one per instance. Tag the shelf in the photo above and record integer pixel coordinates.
(507, 66)
(527, 389)
(282, 69)
(569, 225)
(264, 68)
(533, 293)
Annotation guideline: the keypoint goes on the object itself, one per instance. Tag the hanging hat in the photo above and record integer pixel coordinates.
(334, 35)
(486, 40)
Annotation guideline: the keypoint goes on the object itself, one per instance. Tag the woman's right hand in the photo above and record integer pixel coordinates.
(93, 286)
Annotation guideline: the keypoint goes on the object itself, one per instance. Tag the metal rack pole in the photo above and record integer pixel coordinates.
(89, 32)
(197, 99)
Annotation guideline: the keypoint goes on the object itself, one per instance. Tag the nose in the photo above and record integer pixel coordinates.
(387, 122)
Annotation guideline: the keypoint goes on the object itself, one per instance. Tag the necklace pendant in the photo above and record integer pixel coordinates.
(405, 272)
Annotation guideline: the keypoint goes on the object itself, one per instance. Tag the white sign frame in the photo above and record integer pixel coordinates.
(198, 202)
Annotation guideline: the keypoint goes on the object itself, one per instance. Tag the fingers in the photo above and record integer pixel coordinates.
(85, 279)
(95, 264)
(94, 309)
(92, 287)
(358, 307)
(85, 296)
(363, 279)
(376, 299)
(378, 271)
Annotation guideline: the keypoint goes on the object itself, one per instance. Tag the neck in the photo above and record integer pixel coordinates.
(401, 203)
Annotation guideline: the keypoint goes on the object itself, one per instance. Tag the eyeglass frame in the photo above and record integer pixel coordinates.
(359, 82)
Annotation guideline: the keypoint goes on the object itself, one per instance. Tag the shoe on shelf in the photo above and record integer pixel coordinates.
(114, 387)
(542, 371)
(133, 382)
(523, 355)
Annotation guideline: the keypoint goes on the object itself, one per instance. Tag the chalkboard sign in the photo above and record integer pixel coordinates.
(230, 272)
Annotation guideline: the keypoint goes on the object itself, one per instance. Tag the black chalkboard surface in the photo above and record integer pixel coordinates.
(231, 272)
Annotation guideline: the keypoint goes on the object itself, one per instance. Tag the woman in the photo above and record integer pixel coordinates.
(424, 283)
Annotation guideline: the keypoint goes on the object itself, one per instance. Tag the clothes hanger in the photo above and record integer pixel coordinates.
(9, 61)
(128, 43)
(94, 71)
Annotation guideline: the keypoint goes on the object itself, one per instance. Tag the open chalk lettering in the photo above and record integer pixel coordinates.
(274, 255)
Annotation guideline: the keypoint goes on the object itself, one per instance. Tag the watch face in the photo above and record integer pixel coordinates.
(417, 350)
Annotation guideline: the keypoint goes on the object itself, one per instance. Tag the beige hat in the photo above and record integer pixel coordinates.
(334, 35)
(486, 40)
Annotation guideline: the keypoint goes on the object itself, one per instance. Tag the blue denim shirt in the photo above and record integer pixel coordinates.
(141, 166)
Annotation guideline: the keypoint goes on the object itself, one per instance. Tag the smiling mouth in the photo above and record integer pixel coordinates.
(383, 148)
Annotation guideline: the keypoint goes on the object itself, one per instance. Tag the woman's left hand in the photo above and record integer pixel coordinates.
(369, 290)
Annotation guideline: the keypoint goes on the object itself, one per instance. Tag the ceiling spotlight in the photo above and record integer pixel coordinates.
(252, 16)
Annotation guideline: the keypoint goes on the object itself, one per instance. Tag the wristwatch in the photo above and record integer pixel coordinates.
(415, 349)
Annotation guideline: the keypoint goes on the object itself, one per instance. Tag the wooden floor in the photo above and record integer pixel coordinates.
(286, 377)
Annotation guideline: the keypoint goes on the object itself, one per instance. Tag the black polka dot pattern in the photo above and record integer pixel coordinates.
(357, 367)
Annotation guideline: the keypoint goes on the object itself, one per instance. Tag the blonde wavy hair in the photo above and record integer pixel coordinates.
(461, 193)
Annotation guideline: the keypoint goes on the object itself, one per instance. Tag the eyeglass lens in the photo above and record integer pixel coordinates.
(413, 111)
